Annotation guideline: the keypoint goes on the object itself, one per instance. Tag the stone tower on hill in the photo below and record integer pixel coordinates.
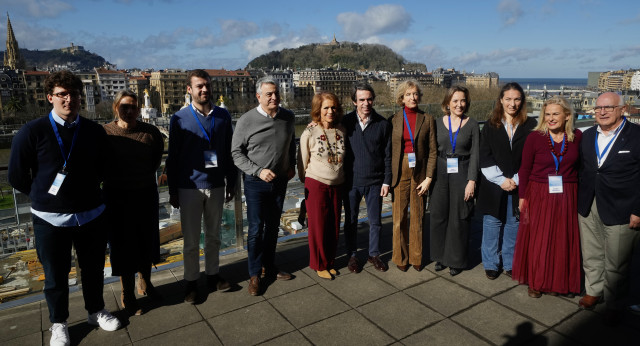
(12, 58)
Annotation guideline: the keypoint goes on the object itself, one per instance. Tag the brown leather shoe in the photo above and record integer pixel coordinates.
(377, 263)
(275, 272)
(254, 286)
(402, 268)
(417, 267)
(353, 265)
(533, 293)
(588, 302)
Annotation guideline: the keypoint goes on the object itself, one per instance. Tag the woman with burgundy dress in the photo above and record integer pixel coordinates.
(547, 254)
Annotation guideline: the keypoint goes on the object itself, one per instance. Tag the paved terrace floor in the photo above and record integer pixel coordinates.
(368, 308)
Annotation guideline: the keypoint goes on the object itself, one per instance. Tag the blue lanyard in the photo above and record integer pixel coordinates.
(624, 120)
(213, 121)
(453, 139)
(555, 158)
(65, 156)
(406, 121)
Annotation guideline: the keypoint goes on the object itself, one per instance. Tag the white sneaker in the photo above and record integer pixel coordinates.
(105, 320)
(59, 334)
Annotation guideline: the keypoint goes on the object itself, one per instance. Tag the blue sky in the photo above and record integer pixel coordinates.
(516, 38)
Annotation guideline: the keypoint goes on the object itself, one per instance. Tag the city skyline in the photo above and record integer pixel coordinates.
(517, 39)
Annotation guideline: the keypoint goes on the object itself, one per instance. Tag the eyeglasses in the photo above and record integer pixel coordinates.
(65, 94)
(606, 109)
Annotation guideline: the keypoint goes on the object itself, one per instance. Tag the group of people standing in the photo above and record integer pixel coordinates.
(551, 196)
(537, 183)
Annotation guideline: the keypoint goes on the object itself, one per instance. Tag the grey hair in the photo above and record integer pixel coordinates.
(266, 80)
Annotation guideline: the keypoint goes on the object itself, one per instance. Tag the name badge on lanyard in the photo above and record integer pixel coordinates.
(210, 159)
(555, 180)
(452, 162)
(410, 156)
(452, 165)
(412, 159)
(57, 182)
(210, 156)
(62, 175)
(555, 183)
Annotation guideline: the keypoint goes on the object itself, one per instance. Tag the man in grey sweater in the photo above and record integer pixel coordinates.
(263, 147)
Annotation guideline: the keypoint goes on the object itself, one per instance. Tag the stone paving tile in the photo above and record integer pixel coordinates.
(399, 279)
(21, 321)
(30, 339)
(498, 324)
(349, 328)
(444, 296)
(551, 338)
(475, 279)
(586, 327)
(291, 339)
(218, 303)
(250, 325)
(193, 334)
(444, 333)
(358, 289)
(81, 333)
(308, 305)
(156, 321)
(399, 314)
(547, 309)
(280, 287)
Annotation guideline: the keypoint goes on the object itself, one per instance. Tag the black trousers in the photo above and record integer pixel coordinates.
(53, 246)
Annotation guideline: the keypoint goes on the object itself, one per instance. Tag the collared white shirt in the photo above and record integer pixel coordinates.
(603, 140)
(62, 219)
(363, 125)
(263, 112)
(200, 113)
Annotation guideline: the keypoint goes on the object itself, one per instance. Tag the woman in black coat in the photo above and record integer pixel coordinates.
(501, 143)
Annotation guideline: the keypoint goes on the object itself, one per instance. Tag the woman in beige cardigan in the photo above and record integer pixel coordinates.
(413, 161)
(320, 167)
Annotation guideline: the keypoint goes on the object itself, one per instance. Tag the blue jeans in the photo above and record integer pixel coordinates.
(53, 246)
(491, 229)
(264, 207)
(373, 200)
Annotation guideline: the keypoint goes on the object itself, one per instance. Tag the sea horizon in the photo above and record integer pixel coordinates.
(551, 83)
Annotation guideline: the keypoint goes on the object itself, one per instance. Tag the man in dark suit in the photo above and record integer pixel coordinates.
(368, 167)
(609, 204)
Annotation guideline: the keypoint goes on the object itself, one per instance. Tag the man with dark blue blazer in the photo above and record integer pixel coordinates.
(368, 172)
(609, 204)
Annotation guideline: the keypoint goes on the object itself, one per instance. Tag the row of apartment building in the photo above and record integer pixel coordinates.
(615, 80)
(167, 89)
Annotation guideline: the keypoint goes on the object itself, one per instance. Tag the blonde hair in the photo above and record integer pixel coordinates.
(403, 87)
(566, 108)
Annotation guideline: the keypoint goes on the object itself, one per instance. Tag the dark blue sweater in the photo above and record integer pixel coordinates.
(36, 159)
(368, 159)
(187, 143)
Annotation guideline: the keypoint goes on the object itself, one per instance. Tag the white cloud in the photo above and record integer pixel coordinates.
(626, 52)
(510, 11)
(230, 31)
(261, 45)
(500, 56)
(37, 8)
(377, 20)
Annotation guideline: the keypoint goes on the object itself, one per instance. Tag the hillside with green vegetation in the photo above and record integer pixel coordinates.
(41, 59)
(348, 55)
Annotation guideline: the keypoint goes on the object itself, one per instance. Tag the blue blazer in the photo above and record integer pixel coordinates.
(616, 184)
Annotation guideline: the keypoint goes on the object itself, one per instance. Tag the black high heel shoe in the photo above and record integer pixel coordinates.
(439, 266)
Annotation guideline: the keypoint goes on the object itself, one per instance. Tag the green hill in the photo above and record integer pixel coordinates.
(349, 55)
(47, 58)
